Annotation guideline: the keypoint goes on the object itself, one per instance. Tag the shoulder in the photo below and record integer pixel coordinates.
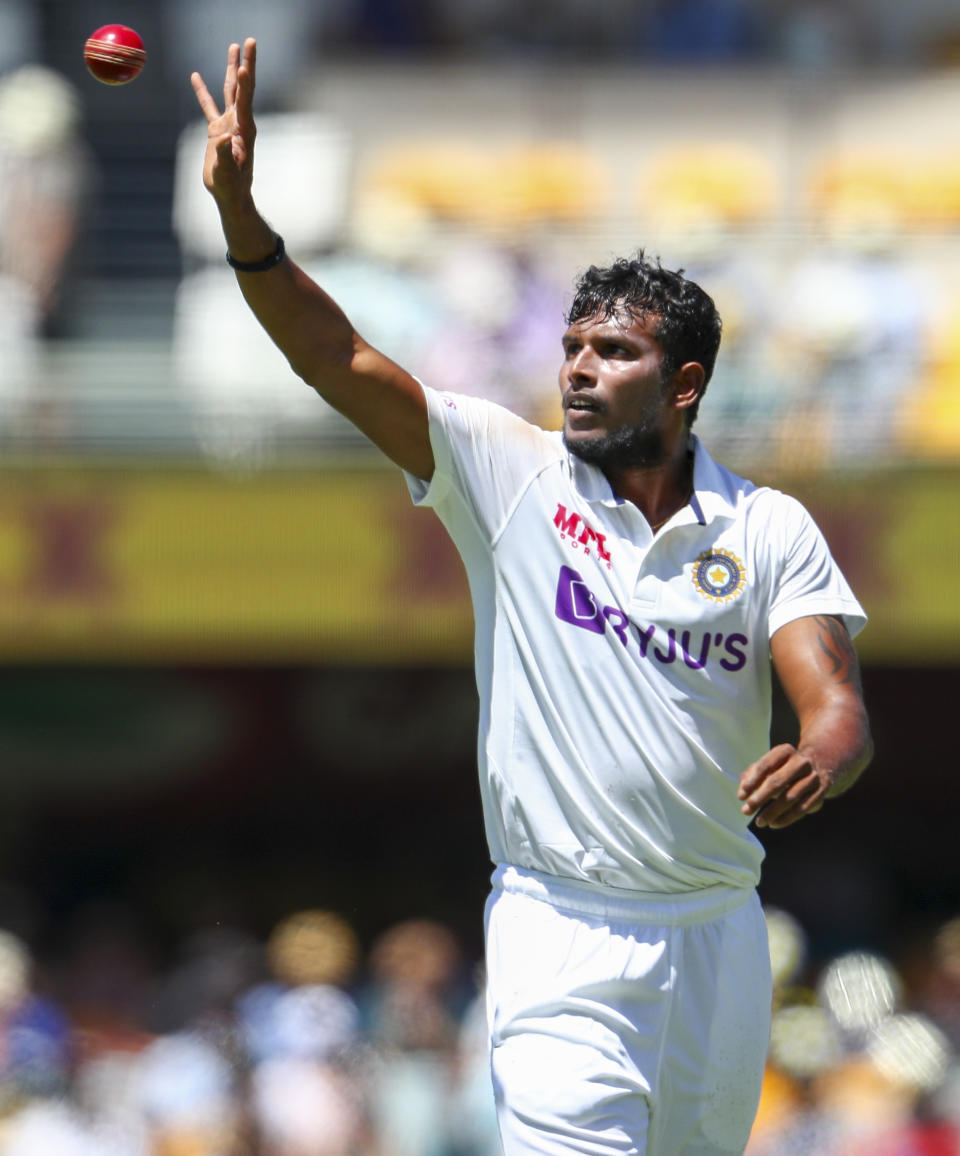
(774, 505)
(763, 504)
(770, 516)
(780, 521)
(480, 420)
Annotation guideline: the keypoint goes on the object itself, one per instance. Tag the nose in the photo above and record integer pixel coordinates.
(582, 367)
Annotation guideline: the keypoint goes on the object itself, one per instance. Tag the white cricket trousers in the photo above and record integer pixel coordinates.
(634, 1026)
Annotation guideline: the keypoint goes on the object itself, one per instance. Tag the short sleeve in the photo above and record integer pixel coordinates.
(808, 580)
(484, 457)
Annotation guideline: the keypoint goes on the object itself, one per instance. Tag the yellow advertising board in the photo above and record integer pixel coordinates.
(153, 565)
(188, 565)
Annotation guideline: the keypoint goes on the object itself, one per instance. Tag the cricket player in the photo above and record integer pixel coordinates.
(631, 597)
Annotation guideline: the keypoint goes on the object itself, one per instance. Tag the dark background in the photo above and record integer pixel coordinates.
(187, 798)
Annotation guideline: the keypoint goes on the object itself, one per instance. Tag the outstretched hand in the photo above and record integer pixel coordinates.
(228, 162)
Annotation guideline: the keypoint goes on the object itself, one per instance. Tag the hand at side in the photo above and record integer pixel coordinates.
(817, 667)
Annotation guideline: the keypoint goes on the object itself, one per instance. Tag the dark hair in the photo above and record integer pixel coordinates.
(688, 324)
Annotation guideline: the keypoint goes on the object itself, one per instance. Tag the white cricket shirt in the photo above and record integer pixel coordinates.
(624, 679)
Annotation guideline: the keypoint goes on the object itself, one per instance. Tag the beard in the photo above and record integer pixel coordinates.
(630, 447)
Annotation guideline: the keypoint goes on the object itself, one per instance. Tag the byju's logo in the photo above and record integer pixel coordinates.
(577, 605)
(579, 531)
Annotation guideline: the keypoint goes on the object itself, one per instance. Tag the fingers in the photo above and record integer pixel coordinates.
(246, 82)
(230, 78)
(804, 798)
(207, 104)
(782, 787)
(758, 773)
(250, 58)
(238, 85)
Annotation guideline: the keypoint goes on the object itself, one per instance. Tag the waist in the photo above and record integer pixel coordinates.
(673, 908)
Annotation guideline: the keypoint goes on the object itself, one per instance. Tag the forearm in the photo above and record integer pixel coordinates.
(817, 667)
(836, 737)
(303, 321)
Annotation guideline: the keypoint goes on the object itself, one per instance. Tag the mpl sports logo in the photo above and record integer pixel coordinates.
(577, 605)
(578, 531)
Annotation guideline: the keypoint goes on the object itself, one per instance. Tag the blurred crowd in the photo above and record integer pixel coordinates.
(302, 1045)
(806, 31)
(838, 280)
(308, 1044)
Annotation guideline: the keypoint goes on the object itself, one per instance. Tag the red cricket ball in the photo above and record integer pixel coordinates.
(114, 54)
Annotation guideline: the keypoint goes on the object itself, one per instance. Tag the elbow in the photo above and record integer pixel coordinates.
(859, 756)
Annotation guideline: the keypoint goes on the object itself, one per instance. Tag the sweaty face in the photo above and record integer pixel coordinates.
(613, 392)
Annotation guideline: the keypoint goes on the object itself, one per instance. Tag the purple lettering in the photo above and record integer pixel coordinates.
(695, 663)
(620, 627)
(644, 636)
(671, 654)
(575, 604)
(738, 658)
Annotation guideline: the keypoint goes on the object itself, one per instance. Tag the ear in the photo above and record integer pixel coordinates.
(687, 384)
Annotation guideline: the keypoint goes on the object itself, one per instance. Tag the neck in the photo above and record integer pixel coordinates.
(658, 491)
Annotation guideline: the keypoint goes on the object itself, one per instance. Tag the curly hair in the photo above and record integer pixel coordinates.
(688, 325)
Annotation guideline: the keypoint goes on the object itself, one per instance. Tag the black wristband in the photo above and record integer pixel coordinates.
(259, 266)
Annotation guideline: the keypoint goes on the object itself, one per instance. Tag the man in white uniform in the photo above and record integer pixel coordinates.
(629, 594)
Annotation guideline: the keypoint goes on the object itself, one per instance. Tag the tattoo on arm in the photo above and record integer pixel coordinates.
(834, 641)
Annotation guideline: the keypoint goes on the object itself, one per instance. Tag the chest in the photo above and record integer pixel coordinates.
(598, 564)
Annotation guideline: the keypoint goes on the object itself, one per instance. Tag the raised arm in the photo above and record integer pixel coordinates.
(306, 324)
(817, 667)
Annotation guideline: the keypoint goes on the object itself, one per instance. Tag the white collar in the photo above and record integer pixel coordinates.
(714, 494)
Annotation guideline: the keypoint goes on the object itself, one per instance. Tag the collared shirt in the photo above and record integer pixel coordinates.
(624, 677)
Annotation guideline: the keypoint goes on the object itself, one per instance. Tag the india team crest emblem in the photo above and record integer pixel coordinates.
(719, 575)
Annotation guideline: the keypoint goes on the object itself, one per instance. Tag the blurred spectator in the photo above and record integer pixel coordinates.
(473, 1105)
(742, 407)
(45, 179)
(306, 1109)
(302, 1036)
(218, 964)
(500, 337)
(850, 1072)
(106, 979)
(188, 1097)
(937, 986)
(36, 1052)
(850, 335)
(413, 1008)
